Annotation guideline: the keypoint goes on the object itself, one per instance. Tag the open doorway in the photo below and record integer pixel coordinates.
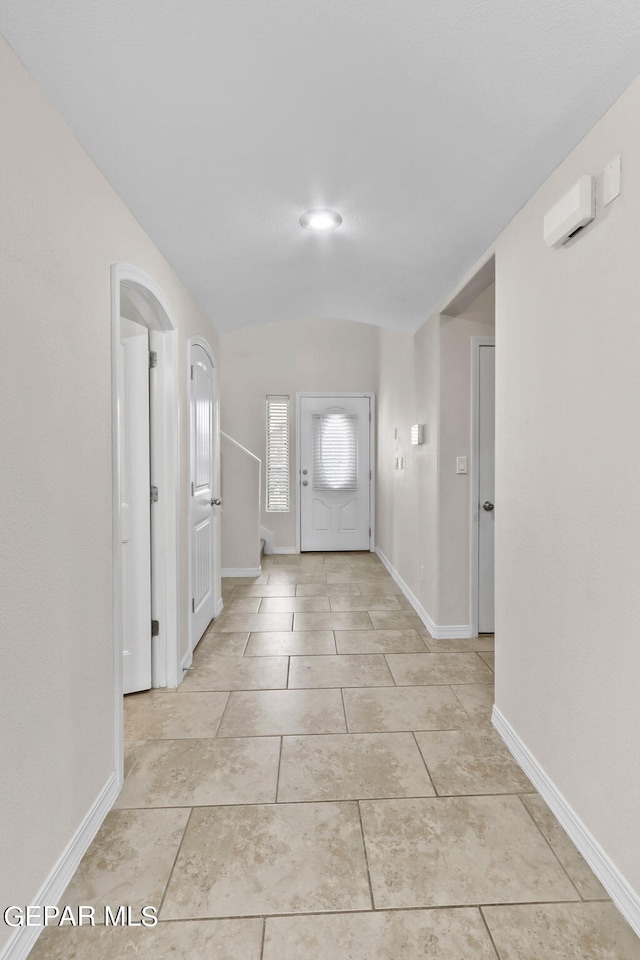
(145, 489)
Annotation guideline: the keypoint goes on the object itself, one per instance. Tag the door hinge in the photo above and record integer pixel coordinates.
(192, 371)
(369, 531)
(193, 489)
(155, 628)
(369, 416)
(153, 359)
(193, 606)
(370, 475)
(154, 494)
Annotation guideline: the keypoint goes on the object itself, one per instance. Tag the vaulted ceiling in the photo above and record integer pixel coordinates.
(425, 123)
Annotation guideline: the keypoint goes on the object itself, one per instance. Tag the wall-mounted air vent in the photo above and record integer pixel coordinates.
(576, 209)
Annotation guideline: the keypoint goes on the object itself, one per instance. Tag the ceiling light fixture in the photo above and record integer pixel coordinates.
(321, 220)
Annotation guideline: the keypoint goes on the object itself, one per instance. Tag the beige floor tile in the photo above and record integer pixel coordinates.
(583, 877)
(400, 620)
(378, 588)
(346, 603)
(295, 605)
(483, 643)
(189, 773)
(273, 712)
(489, 659)
(402, 708)
(281, 858)
(425, 669)
(129, 861)
(237, 673)
(253, 622)
(398, 935)
(189, 940)
(462, 850)
(339, 671)
(289, 559)
(471, 762)
(132, 750)
(379, 641)
(359, 573)
(296, 643)
(352, 767)
(331, 621)
(477, 699)
(242, 604)
(220, 645)
(310, 575)
(163, 714)
(243, 581)
(562, 931)
(267, 590)
(328, 590)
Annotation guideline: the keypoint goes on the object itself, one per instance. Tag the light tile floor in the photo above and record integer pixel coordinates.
(326, 785)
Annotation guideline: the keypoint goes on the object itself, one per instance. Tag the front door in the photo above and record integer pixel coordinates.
(135, 504)
(486, 480)
(203, 493)
(334, 473)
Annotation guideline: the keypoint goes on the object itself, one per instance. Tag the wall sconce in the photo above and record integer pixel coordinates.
(417, 434)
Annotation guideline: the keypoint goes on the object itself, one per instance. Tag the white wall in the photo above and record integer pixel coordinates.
(240, 514)
(568, 463)
(62, 228)
(290, 357)
(423, 510)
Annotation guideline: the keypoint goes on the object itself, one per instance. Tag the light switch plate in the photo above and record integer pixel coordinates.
(611, 181)
(461, 464)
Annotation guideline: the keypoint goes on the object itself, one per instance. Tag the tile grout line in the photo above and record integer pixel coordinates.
(426, 766)
(215, 736)
(548, 843)
(490, 935)
(366, 856)
(264, 933)
(344, 709)
(173, 867)
(278, 774)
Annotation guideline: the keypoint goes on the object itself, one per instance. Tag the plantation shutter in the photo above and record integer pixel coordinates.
(277, 454)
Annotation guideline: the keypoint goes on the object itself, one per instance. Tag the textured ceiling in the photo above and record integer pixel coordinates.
(425, 123)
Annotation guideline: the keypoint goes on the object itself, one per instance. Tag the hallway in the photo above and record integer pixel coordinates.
(325, 777)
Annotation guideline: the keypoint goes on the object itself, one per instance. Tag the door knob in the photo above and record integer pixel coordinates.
(216, 503)
(305, 483)
(488, 506)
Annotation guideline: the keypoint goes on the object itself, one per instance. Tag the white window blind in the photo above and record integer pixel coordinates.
(277, 454)
(335, 451)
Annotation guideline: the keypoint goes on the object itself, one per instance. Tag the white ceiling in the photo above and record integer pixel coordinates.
(425, 123)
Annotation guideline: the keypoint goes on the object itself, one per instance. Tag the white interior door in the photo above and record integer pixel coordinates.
(133, 412)
(334, 473)
(203, 493)
(486, 479)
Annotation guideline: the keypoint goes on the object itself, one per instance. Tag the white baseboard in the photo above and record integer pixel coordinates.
(437, 631)
(285, 550)
(187, 660)
(620, 891)
(23, 939)
(242, 571)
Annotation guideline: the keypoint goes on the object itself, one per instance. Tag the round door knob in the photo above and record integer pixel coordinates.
(216, 503)
(488, 506)
(305, 483)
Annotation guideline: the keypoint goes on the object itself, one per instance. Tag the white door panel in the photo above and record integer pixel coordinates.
(133, 412)
(486, 488)
(334, 473)
(203, 478)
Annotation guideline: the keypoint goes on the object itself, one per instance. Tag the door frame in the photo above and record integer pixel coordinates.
(372, 460)
(187, 659)
(135, 291)
(474, 477)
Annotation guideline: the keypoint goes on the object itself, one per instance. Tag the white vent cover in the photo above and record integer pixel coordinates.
(417, 434)
(575, 210)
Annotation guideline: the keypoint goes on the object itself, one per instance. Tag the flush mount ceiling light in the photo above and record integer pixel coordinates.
(321, 220)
